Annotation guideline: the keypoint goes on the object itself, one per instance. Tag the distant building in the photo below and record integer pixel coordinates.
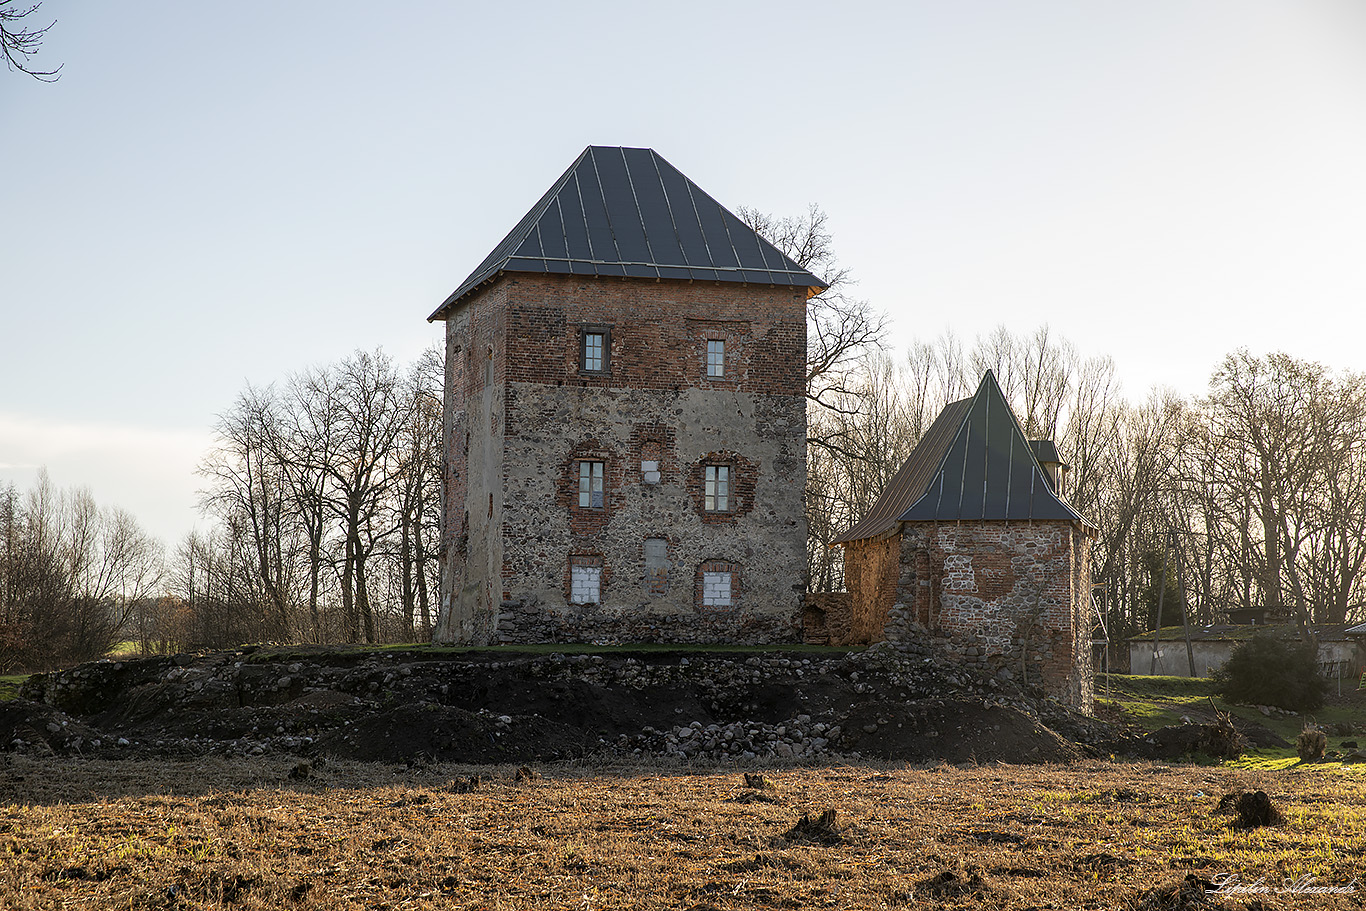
(973, 540)
(625, 420)
(1341, 652)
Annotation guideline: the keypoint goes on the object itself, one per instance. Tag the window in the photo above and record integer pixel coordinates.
(649, 469)
(595, 350)
(718, 584)
(716, 589)
(716, 358)
(716, 488)
(585, 580)
(591, 485)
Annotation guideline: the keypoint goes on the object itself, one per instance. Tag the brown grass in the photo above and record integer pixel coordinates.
(243, 835)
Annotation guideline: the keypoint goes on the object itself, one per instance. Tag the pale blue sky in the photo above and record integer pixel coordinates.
(214, 194)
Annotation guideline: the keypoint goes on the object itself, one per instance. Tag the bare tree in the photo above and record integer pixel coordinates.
(249, 492)
(841, 329)
(21, 41)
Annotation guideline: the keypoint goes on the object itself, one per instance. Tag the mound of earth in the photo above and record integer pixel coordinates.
(901, 702)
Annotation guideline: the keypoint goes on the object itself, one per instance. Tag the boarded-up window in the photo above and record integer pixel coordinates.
(649, 462)
(585, 580)
(716, 589)
(656, 566)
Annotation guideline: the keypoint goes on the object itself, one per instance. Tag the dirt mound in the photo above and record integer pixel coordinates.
(954, 730)
(38, 728)
(442, 734)
(891, 702)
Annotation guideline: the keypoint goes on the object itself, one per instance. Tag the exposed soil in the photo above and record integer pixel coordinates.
(900, 702)
(251, 835)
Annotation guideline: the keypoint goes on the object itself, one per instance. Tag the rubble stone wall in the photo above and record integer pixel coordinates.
(1006, 596)
(653, 405)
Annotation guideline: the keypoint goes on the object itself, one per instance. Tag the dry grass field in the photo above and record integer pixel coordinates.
(221, 834)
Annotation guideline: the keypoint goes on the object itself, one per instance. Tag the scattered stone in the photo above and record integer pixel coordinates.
(1189, 894)
(949, 884)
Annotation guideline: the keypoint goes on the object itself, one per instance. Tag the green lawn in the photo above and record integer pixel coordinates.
(9, 686)
(1153, 702)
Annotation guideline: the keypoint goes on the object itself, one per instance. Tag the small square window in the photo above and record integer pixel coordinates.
(585, 584)
(649, 469)
(716, 488)
(595, 349)
(716, 358)
(591, 485)
(716, 589)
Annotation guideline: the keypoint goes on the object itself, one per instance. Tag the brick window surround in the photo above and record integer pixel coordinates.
(595, 349)
(585, 579)
(592, 485)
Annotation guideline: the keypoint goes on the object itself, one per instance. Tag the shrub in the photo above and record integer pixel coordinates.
(1267, 671)
(1311, 744)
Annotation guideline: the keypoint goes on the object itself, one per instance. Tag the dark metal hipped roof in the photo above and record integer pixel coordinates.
(912, 478)
(628, 212)
(974, 463)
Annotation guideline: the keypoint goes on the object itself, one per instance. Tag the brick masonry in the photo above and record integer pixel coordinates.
(522, 415)
(1002, 596)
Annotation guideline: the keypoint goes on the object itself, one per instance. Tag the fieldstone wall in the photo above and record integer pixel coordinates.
(473, 431)
(523, 416)
(1011, 597)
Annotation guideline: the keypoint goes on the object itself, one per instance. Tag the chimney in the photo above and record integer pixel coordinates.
(1046, 454)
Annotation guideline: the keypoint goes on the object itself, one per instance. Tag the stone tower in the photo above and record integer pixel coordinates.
(625, 421)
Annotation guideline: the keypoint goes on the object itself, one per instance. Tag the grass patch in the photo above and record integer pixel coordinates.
(9, 686)
(1154, 702)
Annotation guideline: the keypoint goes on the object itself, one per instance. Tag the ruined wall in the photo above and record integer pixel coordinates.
(826, 617)
(1006, 596)
(654, 404)
(872, 569)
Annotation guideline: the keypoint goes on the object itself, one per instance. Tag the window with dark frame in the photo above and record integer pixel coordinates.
(592, 485)
(716, 488)
(595, 349)
(716, 358)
